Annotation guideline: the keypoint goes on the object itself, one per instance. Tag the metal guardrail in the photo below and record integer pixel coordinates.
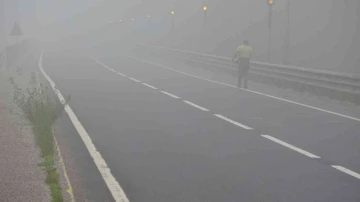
(331, 81)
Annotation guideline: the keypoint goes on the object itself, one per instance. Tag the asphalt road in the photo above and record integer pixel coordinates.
(167, 136)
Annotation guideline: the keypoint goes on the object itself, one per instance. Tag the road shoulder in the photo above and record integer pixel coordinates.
(22, 179)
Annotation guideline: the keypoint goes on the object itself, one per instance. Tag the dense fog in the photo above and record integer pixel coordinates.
(322, 34)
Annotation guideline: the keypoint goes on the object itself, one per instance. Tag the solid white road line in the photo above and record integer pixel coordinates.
(61, 159)
(347, 171)
(233, 122)
(255, 92)
(169, 94)
(150, 86)
(134, 80)
(181, 72)
(114, 187)
(121, 74)
(195, 105)
(62, 165)
(308, 154)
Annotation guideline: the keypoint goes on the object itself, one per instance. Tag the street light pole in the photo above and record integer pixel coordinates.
(205, 8)
(149, 20)
(270, 2)
(172, 20)
(172, 34)
(287, 37)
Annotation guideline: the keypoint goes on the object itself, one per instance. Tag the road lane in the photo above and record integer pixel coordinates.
(162, 149)
(333, 137)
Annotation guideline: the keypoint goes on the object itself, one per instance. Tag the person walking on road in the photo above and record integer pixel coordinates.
(242, 57)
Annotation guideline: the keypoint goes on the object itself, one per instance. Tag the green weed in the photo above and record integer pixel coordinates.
(41, 111)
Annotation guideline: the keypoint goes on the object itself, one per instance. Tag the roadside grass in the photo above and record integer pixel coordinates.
(41, 111)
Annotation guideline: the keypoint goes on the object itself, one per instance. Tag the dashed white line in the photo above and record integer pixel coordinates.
(150, 86)
(121, 194)
(233, 122)
(114, 187)
(195, 105)
(134, 79)
(169, 94)
(162, 66)
(301, 151)
(110, 69)
(251, 91)
(347, 171)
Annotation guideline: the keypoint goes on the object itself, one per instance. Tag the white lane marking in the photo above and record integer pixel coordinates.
(61, 159)
(255, 92)
(347, 171)
(114, 187)
(233, 122)
(121, 74)
(169, 94)
(62, 165)
(150, 86)
(195, 105)
(145, 61)
(102, 64)
(308, 154)
(134, 80)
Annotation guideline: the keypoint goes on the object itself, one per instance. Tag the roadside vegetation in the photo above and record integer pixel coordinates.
(41, 110)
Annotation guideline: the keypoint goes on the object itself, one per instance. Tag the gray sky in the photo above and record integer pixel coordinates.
(321, 32)
(48, 11)
(55, 10)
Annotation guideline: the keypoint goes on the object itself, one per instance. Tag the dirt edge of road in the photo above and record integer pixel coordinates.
(43, 177)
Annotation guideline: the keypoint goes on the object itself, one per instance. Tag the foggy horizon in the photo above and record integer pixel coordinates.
(180, 100)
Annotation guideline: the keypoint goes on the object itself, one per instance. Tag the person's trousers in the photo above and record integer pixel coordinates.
(244, 67)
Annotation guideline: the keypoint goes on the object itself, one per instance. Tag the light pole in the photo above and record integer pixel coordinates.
(172, 20)
(205, 8)
(287, 37)
(172, 34)
(270, 3)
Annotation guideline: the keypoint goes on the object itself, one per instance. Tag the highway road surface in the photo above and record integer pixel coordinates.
(167, 135)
